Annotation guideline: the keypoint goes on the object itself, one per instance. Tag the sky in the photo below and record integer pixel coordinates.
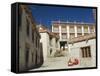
(46, 14)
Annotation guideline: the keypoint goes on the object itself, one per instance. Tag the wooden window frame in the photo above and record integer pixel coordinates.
(86, 52)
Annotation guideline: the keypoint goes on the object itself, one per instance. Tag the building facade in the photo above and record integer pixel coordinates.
(68, 30)
(30, 48)
(84, 49)
(49, 40)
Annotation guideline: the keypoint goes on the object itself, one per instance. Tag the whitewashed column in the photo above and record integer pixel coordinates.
(68, 31)
(75, 27)
(82, 30)
(60, 32)
(88, 29)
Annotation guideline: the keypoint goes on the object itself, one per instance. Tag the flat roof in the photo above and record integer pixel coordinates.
(82, 38)
(67, 22)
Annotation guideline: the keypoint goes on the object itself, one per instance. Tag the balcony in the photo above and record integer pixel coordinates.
(91, 30)
(79, 30)
(71, 31)
(64, 31)
(85, 29)
(55, 29)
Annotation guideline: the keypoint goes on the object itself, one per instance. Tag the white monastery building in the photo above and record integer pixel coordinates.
(78, 40)
(68, 30)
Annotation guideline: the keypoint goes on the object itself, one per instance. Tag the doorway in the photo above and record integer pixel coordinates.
(62, 44)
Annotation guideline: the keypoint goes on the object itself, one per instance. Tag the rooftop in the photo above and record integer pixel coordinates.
(43, 29)
(82, 38)
(67, 22)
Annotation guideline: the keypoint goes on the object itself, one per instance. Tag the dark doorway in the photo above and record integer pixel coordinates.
(62, 44)
(50, 51)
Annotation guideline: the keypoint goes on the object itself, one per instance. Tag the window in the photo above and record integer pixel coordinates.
(79, 29)
(63, 29)
(71, 29)
(50, 51)
(56, 28)
(27, 28)
(50, 42)
(86, 52)
(85, 29)
(91, 29)
(64, 35)
(72, 35)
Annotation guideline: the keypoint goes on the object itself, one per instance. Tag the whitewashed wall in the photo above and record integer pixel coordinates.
(74, 51)
(53, 46)
(45, 42)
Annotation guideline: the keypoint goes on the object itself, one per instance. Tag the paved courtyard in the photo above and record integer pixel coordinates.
(55, 63)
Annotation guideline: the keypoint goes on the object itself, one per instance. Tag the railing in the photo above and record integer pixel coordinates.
(85, 31)
(91, 30)
(63, 31)
(79, 31)
(71, 31)
(55, 30)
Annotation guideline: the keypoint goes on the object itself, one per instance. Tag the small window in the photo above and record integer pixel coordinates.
(91, 29)
(86, 52)
(85, 29)
(79, 29)
(64, 35)
(50, 51)
(71, 29)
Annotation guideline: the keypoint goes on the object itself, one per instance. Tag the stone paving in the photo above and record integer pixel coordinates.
(55, 63)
